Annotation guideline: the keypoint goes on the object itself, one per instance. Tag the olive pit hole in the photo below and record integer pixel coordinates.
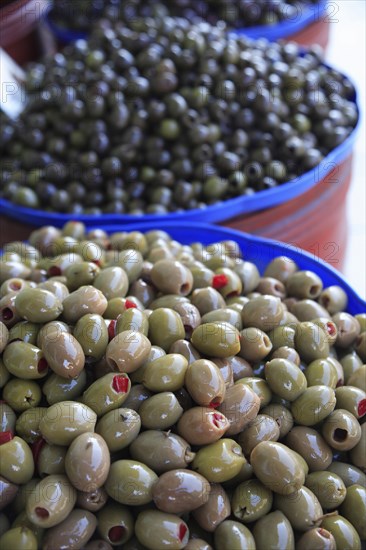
(314, 290)
(6, 314)
(116, 533)
(42, 365)
(340, 435)
(184, 288)
(16, 285)
(42, 513)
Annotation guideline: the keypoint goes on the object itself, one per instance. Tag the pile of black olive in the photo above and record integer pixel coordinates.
(161, 116)
(79, 15)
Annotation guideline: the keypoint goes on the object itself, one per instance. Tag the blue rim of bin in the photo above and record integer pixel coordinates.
(308, 15)
(215, 213)
(62, 34)
(258, 250)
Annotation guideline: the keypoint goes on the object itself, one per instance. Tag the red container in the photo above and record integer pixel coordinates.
(19, 29)
(315, 221)
(317, 33)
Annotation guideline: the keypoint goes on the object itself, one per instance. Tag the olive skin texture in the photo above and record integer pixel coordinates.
(232, 535)
(130, 482)
(115, 525)
(328, 488)
(87, 462)
(218, 339)
(255, 344)
(160, 411)
(311, 342)
(197, 544)
(17, 464)
(180, 491)
(185, 348)
(358, 378)
(172, 277)
(165, 328)
(205, 383)
(161, 451)
(311, 446)
(207, 299)
(65, 356)
(263, 312)
(274, 532)
(127, 351)
(137, 395)
(260, 388)
(317, 539)
(93, 501)
(20, 537)
(8, 492)
(276, 467)
(240, 407)
(8, 418)
(119, 428)
(307, 512)
(112, 282)
(308, 310)
(86, 299)
(349, 473)
(304, 284)
(352, 399)
(157, 530)
(50, 501)
(219, 461)
(73, 532)
(281, 268)
(132, 319)
(262, 428)
(282, 416)
(285, 378)
(51, 460)
(38, 305)
(202, 425)
(107, 393)
(57, 388)
(27, 424)
(357, 454)
(341, 430)
(251, 500)
(321, 372)
(215, 510)
(22, 395)
(4, 336)
(348, 329)
(314, 405)
(64, 421)
(165, 373)
(353, 508)
(25, 361)
(92, 334)
(345, 535)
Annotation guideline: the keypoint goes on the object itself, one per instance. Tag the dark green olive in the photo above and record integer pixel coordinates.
(75, 530)
(316, 538)
(328, 488)
(8, 492)
(107, 393)
(262, 428)
(311, 342)
(51, 501)
(51, 460)
(251, 500)
(115, 525)
(155, 530)
(264, 312)
(349, 473)
(302, 509)
(57, 388)
(4, 336)
(232, 535)
(353, 508)
(130, 482)
(282, 416)
(215, 510)
(8, 418)
(27, 424)
(20, 537)
(160, 411)
(274, 531)
(311, 446)
(345, 535)
(240, 406)
(179, 491)
(314, 405)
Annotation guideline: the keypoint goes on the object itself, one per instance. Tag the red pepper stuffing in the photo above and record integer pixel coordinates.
(116, 533)
(361, 409)
(112, 329)
(182, 531)
(331, 329)
(42, 365)
(36, 449)
(214, 404)
(54, 271)
(130, 304)
(219, 281)
(42, 512)
(120, 384)
(5, 437)
(217, 419)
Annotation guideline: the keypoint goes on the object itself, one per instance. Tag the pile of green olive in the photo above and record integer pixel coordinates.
(159, 395)
(79, 15)
(159, 116)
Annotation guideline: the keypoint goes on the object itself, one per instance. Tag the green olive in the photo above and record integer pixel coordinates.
(130, 482)
(314, 405)
(166, 373)
(115, 525)
(274, 532)
(255, 344)
(157, 530)
(27, 424)
(251, 500)
(232, 535)
(51, 501)
(87, 462)
(107, 393)
(344, 533)
(8, 418)
(353, 508)
(205, 383)
(65, 356)
(180, 491)
(64, 421)
(161, 411)
(285, 378)
(51, 459)
(74, 531)
(119, 428)
(311, 342)
(328, 488)
(302, 509)
(349, 473)
(311, 446)
(219, 461)
(57, 388)
(133, 319)
(165, 328)
(215, 510)
(352, 399)
(112, 282)
(321, 372)
(92, 334)
(22, 394)
(25, 361)
(38, 305)
(240, 406)
(20, 538)
(317, 538)
(86, 299)
(262, 428)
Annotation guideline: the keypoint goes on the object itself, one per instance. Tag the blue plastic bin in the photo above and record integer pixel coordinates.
(255, 249)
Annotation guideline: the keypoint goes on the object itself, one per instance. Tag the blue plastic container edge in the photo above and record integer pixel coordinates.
(215, 213)
(63, 35)
(256, 249)
(310, 14)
